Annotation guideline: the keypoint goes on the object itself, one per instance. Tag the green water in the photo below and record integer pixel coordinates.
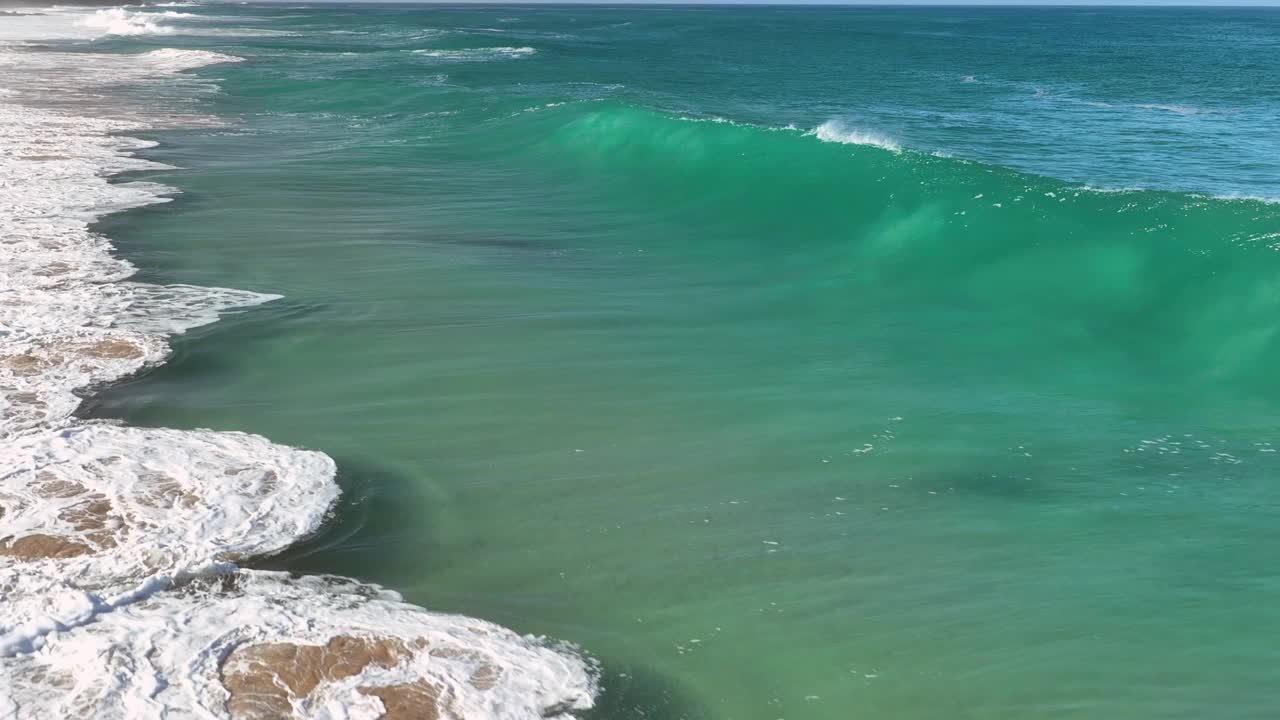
(772, 426)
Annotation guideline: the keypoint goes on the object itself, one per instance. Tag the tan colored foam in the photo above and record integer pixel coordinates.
(264, 680)
(408, 701)
(486, 677)
(114, 350)
(52, 486)
(40, 547)
(158, 490)
(54, 269)
(93, 518)
(25, 365)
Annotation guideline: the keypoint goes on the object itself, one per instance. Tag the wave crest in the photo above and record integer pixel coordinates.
(834, 131)
(118, 21)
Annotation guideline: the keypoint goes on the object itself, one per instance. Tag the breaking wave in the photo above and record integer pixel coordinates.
(953, 231)
(118, 21)
(834, 131)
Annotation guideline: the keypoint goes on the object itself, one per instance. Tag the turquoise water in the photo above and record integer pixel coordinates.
(798, 363)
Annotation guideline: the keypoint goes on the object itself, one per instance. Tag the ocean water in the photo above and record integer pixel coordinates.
(803, 363)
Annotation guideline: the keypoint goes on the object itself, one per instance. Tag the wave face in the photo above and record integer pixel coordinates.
(1182, 286)
(120, 544)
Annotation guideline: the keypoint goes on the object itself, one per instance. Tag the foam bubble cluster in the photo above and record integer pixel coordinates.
(119, 593)
(95, 512)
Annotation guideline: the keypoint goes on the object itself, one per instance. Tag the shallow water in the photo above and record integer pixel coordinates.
(776, 420)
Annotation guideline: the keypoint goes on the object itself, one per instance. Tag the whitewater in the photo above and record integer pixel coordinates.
(121, 594)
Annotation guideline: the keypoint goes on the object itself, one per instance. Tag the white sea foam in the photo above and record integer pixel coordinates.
(66, 22)
(110, 534)
(1245, 197)
(473, 54)
(545, 106)
(834, 131)
(39, 78)
(82, 531)
(118, 21)
(174, 60)
(95, 512)
(476, 669)
(67, 322)
(1230, 197)
(713, 119)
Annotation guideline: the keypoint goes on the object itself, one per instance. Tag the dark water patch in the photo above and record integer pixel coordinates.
(376, 513)
(637, 692)
(195, 362)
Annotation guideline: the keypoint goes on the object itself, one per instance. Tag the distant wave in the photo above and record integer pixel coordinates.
(118, 21)
(492, 53)
(1178, 109)
(1120, 105)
